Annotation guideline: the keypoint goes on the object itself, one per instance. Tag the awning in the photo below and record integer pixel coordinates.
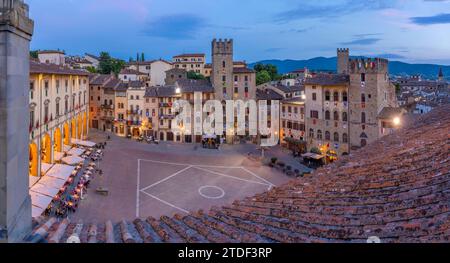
(40, 200)
(83, 143)
(61, 171)
(52, 182)
(76, 151)
(44, 189)
(313, 156)
(72, 160)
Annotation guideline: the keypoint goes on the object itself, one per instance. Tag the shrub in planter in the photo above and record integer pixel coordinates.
(288, 167)
(274, 160)
(281, 164)
(296, 171)
(289, 173)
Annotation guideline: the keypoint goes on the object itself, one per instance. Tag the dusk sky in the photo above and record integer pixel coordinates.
(406, 30)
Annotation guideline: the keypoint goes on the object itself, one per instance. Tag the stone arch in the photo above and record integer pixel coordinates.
(46, 148)
(33, 159)
(66, 134)
(73, 129)
(79, 127)
(57, 142)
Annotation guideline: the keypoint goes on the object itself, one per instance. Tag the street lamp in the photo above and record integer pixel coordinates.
(396, 121)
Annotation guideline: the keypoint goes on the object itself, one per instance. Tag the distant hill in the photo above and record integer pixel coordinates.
(329, 64)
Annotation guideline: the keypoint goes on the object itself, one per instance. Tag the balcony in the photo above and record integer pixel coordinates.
(107, 107)
(165, 104)
(107, 118)
(167, 117)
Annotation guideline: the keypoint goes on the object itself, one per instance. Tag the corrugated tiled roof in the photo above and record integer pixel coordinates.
(44, 68)
(242, 71)
(396, 189)
(100, 79)
(324, 79)
(267, 94)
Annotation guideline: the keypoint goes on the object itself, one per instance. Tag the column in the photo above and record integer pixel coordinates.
(15, 204)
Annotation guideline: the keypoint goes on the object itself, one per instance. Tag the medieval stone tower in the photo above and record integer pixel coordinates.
(370, 91)
(343, 56)
(440, 75)
(222, 68)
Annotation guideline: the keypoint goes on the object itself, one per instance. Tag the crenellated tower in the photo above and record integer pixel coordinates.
(222, 68)
(343, 56)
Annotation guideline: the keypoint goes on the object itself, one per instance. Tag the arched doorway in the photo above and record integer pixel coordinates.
(80, 127)
(85, 124)
(46, 148)
(170, 137)
(33, 160)
(161, 136)
(74, 129)
(57, 143)
(66, 134)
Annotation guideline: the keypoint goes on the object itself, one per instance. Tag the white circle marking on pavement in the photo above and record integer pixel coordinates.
(201, 189)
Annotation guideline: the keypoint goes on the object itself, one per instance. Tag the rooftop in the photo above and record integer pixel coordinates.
(43, 68)
(323, 79)
(396, 189)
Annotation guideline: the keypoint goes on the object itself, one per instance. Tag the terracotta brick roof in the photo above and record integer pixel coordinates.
(396, 189)
(100, 79)
(190, 55)
(324, 79)
(242, 70)
(128, 71)
(267, 94)
(44, 68)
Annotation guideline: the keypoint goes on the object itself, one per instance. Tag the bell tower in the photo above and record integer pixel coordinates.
(343, 56)
(16, 29)
(222, 68)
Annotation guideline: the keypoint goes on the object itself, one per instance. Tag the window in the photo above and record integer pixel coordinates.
(327, 115)
(327, 95)
(236, 78)
(236, 90)
(335, 115)
(363, 142)
(46, 113)
(57, 86)
(46, 88)
(327, 136)
(345, 138)
(57, 107)
(137, 97)
(246, 78)
(131, 97)
(344, 116)
(363, 77)
(363, 117)
(31, 90)
(295, 110)
(314, 114)
(311, 133)
(319, 135)
(110, 102)
(336, 137)
(363, 98)
(289, 109)
(223, 64)
(32, 118)
(314, 96)
(224, 78)
(336, 96)
(66, 106)
(283, 109)
(344, 97)
(224, 90)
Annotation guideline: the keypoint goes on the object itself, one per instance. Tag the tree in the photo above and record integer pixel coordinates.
(193, 75)
(142, 57)
(262, 77)
(34, 53)
(269, 69)
(109, 65)
(91, 69)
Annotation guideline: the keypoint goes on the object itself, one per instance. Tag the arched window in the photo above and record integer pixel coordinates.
(327, 135)
(311, 133)
(363, 117)
(336, 137)
(363, 142)
(327, 95)
(344, 96)
(223, 64)
(344, 116)
(363, 98)
(110, 102)
(335, 115)
(345, 138)
(336, 96)
(327, 115)
(319, 135)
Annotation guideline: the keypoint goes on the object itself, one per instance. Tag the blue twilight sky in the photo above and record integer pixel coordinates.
(407, 30)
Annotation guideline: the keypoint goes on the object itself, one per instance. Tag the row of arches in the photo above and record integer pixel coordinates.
(42, 151)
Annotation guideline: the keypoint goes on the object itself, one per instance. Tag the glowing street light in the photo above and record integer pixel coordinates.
(396, 121)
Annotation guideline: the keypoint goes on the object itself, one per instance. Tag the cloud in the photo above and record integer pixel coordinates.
(273, 49)
(390, 56)
(431, 20)
(175, 27)
(325, 9)
(362, 41)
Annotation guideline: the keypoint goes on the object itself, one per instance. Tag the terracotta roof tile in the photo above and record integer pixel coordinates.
(397, 189)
